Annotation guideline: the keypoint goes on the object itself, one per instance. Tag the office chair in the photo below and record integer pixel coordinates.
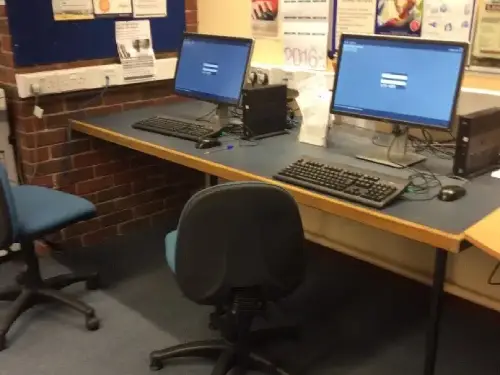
(28, 213)
(238, 247)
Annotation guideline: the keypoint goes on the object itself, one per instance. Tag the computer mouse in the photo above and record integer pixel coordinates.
(208, 143)
(451, 193)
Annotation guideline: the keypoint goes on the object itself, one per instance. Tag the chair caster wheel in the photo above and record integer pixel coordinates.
(92, 323)
(155, 365)
(93, 283)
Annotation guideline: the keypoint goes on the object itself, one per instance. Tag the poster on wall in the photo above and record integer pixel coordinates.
(71, 10)
(305, 33)
(399, 17)
(112, 8)
(149, 8)
(448, 20)
(265, 18)
(135, 49)
(353, 16)
(487, 38)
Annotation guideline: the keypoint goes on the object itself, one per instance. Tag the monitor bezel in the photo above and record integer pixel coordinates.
(453, 113)
(209, 37)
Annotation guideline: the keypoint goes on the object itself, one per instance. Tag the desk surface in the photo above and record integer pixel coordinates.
(433, 222)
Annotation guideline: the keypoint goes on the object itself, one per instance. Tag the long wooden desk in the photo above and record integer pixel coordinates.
(439, 224)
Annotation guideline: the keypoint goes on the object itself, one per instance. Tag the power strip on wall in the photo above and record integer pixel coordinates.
(80, 79)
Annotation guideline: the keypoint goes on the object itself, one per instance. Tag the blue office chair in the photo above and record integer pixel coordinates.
(238, 247)
(28, 213)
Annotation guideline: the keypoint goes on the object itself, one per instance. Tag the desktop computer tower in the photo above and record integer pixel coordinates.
(264, 111)
(478, 143)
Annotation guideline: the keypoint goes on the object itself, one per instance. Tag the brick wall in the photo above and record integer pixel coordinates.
(131, 190)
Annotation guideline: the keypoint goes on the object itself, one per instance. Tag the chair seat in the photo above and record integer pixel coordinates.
(42, 211)
(170, 246)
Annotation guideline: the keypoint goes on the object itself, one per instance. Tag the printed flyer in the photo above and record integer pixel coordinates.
(399, 17)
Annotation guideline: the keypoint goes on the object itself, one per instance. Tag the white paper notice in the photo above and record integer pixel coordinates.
(305, 33)
(448, 20)
(150, 8)
(135, 48)
(487, 39)
(69, 10)
(112, 7)
(314, 103)
(354, 16)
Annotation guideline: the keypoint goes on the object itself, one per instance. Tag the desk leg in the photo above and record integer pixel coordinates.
(211, 180)
(437, 293)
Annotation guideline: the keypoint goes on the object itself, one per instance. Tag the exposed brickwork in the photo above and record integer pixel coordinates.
(130, 190)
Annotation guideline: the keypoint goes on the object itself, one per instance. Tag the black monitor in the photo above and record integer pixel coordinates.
(403, 81)
(213, 69)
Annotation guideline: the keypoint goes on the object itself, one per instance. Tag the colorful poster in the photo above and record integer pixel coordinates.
(354, 16)
(71, 10)
(487, 38)
(265, 21)
(448, 19)
(399, 17)
(112, 7)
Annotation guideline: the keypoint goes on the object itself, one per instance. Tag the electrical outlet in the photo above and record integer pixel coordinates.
(49, 83)
(72, 80)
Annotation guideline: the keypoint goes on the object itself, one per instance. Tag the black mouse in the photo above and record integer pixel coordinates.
(208, 143)
(451, 193)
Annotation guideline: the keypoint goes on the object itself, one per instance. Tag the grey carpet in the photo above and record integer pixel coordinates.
(356, 319)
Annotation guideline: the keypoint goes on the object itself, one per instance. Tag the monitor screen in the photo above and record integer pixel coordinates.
(405, 81)
(212, 68)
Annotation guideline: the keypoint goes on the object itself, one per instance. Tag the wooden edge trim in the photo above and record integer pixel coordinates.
(417, 232)
(485, 234)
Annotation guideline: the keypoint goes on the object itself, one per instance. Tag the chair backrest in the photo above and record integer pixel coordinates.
(239, 235)
(8, 213)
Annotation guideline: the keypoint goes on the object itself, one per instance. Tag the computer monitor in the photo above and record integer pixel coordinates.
(404, 81)
(213, 69)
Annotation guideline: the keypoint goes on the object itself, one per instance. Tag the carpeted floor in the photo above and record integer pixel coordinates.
(357, 320)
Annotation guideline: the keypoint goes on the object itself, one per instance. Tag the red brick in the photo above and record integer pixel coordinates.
(6, 43)
(45, 138)
(82, 100)
(54, 166)
(134, 225)
(192, 28)
(70, 189)
(116, 218)
(148, 208)
(7, 59)
(164, 89)
(191, 4)
(3, 10)
(35, 156)
(105, 208)
(75, 176)
(110, 168)
(70, 148)
(97, 184)
(123, 94)
(99, 236)
(47, 181)
(81, 228)
(61, 120)
(113, 193)
(91, 197)
(88, 159)
(191, 17)
(29, 124)
(147, 184)
(103, 111)
(138, 104)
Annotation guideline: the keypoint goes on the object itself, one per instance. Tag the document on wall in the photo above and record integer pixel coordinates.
(112, 8)
(70, 10)
(354, 16)
(265, 18)
(399, 17)
(135, 48)
(305, 33)
(150, 8)
(487, 38)
(448, 20)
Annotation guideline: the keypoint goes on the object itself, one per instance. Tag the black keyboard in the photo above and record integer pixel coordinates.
(184, 129)
(342, 181)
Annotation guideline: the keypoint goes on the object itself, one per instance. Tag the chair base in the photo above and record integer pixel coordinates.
(228, 355)
(31, 290)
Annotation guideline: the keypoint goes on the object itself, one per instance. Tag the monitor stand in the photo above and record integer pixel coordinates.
(396, 155)
(221, 116)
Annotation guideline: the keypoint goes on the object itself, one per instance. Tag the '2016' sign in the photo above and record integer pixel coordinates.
(305, 57)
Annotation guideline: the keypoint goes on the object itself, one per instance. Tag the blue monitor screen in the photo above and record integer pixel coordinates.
(399, 80)
(212, 69)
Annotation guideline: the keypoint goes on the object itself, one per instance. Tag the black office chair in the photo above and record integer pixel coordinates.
(238, 246)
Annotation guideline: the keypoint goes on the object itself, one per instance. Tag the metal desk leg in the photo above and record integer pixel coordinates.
(437, 293)
(211, 180)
